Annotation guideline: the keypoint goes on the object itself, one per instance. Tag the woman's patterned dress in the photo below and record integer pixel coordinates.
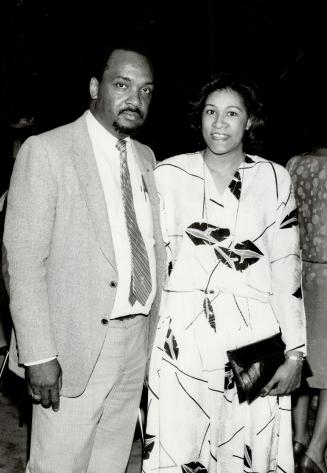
(234, 268)
(309, 176)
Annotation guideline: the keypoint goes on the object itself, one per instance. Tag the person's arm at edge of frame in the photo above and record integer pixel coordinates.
(27, 239)
(289, 309)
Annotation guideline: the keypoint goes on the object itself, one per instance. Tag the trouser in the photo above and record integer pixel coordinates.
(93, 433)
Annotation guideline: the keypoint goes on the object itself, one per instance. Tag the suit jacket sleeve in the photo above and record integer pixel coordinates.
(27, 238)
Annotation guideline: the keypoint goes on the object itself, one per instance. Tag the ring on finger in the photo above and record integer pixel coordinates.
(36, 397)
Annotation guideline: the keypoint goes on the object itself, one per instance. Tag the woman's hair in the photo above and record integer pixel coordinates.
(250, 95)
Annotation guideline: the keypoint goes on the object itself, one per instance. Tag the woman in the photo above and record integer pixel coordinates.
(229, 223)
(309, 173)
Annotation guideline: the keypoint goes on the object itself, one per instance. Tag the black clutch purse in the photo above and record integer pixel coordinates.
(255, 364)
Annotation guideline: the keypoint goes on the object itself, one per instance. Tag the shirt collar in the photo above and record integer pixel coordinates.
(100, 134)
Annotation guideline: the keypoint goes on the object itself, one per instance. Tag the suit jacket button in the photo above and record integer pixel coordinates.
(113, 284)
(104, 321)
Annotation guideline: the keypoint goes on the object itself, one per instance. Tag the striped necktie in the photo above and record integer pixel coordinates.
(140, 286)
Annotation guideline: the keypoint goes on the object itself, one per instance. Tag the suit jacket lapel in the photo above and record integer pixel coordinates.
(87, 170)
(146, 168)
(160, 252)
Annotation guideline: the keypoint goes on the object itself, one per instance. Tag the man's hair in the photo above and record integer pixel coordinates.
(250, 95)
(99, 58)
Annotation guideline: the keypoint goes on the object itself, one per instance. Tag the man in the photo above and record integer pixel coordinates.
(85, 262)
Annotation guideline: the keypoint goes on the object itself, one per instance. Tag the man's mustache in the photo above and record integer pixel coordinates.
(131, 109)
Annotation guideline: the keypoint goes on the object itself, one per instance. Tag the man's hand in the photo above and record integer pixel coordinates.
(44, 383)
(286, 379)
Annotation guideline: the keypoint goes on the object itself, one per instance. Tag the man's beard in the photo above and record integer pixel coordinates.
(126, 131)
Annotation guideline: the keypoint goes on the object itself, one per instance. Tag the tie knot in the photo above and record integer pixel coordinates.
(121, 145)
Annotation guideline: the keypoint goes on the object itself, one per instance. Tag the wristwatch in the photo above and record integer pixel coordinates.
(298, 356)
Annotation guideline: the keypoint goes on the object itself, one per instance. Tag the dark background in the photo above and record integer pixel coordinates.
(281, 44)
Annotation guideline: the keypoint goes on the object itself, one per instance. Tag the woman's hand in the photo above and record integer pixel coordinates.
(286, 379)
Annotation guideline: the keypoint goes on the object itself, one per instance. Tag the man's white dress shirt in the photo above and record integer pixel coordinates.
(108, 161)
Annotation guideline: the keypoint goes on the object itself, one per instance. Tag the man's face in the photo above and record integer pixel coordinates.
(123, 96)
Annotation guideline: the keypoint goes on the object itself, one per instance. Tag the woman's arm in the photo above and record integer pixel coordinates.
(286, 291)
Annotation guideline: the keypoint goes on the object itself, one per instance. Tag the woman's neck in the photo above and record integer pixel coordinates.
(225, 164)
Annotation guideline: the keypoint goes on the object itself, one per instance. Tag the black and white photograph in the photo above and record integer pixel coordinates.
(163, 218)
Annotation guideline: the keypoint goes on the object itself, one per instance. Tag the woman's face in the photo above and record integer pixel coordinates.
(224, 120)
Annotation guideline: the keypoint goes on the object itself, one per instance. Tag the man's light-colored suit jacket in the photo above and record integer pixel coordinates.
(61, 263)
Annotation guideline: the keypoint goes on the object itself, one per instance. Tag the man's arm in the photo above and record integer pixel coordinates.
(27, 238)
(44, 382)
